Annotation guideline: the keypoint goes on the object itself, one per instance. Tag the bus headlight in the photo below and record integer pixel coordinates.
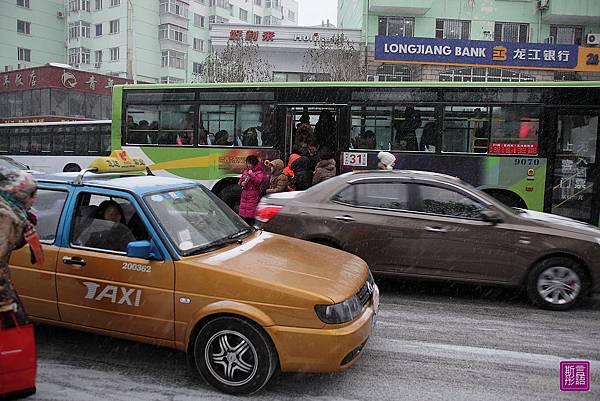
(340, 313)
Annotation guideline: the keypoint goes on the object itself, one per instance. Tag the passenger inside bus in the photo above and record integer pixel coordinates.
(405, 126)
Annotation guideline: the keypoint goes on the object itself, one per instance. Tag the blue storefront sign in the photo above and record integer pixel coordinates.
(475, 52)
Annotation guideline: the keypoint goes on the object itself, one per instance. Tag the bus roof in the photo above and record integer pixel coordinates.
(428, 84)
(77, 122)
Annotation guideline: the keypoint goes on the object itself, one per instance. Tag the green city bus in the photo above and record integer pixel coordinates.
(531, 145)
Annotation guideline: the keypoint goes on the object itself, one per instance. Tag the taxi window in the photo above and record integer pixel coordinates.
(106, 223)
(48, 208)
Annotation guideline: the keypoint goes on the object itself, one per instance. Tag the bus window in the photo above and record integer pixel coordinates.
(4, 140)
(142, 124)
(36, 142)
(94, 139)
(81, 140)
(67, 135)
(254, 126)
(46, 134)
(219, 123)
(414, 128)
(23, 140)
(176, 126)
(371, 128)
(466, 129)
(515, 129)
(105, 138)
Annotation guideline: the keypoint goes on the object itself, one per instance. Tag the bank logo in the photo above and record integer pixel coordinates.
(499, 53)
(575, 376)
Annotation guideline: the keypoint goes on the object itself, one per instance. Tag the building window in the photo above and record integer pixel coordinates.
(199, 20)
(220, 3)
(243, 14)
(484, 74)
(567, 76)
(452, 29)
(114, 54)
(198, 44)
(171, 80)
(79, 29)
(511, 32)
(291, 15)
(281, 76)
(23, 27)
(23, 3)
(98, 5)
(267, 20)
(198, 68)
(171, 58)
(79, 5)
(98, 56)
(79, 55)
(172, 32)
(114, 3)
(23, 54)
(566, 35)
(257, 19)
(114, 26)
(176, 7)
(258, 2)
(394, 72)
(98, 29)
(396, 26)
(215, 19)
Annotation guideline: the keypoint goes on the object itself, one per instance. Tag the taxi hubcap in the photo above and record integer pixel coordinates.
(231, 358)
(558, 285)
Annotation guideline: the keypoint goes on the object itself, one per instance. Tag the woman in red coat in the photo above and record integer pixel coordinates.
(250, 181)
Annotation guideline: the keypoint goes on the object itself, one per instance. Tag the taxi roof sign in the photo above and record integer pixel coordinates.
(118, 162)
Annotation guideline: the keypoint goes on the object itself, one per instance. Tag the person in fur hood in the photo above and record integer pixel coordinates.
(279, 181)
(325, 168)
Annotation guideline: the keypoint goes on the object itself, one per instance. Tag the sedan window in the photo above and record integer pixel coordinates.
(383, 195)
(48, 208)
(442, 201)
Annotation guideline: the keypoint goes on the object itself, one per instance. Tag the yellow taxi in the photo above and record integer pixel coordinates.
(164, 261)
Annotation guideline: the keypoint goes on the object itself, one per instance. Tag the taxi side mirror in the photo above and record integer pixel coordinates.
(143, 250)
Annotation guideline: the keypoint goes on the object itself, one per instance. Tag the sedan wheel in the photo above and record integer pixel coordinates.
(556, 283)
(234, 355)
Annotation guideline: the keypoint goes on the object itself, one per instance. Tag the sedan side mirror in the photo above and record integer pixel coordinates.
(491, 216)
(143, 250)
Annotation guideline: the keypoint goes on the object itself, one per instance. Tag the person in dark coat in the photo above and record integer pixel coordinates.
(302, 179)
(279, 181)
(250, 182)
(325, 167)
(325, 130)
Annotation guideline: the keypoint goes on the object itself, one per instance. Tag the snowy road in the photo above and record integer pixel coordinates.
(431, 343)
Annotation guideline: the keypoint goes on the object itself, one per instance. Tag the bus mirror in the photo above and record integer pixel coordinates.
(491, 216)
(143, 250)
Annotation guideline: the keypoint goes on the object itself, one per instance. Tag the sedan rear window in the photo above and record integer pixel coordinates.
(382, 195)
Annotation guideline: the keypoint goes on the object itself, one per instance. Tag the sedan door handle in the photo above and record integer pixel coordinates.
(74, 261)
(436, 229)
(344, 218)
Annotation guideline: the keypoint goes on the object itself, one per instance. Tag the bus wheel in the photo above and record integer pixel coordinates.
(234, 355)
(557, 283)
(231, 195)
(71, 168)
(509, 199)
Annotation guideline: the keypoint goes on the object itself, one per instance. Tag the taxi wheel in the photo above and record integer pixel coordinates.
(557, 283)
(234, 355)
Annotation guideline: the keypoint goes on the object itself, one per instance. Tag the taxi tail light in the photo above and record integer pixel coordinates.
(266, 211)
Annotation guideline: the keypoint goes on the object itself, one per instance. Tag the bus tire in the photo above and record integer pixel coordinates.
(71, 168)
(231, 195)
(234, 355)
(557, 283)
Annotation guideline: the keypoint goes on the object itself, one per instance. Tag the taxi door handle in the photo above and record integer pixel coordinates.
(344, 218)
(74, 261)
(436, 229)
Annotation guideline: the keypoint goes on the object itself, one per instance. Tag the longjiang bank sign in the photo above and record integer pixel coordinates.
(485, 53)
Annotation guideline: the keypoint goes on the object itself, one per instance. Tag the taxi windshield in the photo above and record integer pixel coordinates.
(195, 219)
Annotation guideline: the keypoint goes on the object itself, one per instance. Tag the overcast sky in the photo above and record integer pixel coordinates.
(313, 11)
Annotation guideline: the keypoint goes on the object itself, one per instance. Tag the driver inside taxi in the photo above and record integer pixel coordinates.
(108, 229)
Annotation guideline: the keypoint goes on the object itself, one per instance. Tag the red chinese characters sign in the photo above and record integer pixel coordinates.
(57, 77)
(251, 36)
(513, 148)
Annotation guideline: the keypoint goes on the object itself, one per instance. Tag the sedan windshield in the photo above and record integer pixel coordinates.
(196, 220)
(9, 163)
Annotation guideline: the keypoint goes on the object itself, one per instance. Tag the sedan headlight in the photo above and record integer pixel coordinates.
(340, 313)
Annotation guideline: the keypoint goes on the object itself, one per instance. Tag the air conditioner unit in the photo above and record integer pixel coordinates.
(97, 65)
(543, 4)
(592, 38)
(549, 39)
(60, 14)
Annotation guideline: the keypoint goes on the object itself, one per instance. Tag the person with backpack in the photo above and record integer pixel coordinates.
(279, 181)
(250, 182)
(302, 178)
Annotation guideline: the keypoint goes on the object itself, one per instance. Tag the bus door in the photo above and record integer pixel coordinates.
(326, 122)
(575, 171)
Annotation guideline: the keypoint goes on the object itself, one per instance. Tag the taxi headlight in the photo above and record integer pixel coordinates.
(340, 313)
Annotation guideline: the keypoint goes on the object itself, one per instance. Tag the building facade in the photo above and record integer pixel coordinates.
(148, 40)
(541, 28)
(283, 47)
